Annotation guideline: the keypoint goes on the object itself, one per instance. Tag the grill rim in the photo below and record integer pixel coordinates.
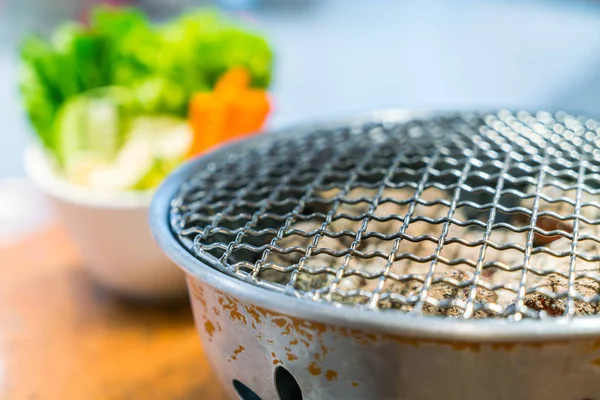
(488, 330)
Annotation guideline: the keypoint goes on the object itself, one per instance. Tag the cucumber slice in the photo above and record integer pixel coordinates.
(95, 122)
(155, 146)
(170, 137)
(131, 163)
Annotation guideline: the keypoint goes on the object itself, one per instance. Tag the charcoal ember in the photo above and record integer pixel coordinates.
(274, 276)
(307, 282)
(559, 285)
(440, 291)
(446, 291)
(407, 289)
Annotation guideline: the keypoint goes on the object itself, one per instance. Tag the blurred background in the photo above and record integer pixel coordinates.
(335, 57)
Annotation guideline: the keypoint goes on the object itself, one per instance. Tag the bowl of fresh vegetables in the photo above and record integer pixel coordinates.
(116, 104)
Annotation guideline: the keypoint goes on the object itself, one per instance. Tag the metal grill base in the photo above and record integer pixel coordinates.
(221, 231)
(247, 343)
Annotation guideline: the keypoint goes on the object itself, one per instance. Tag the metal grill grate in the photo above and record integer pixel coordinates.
(470, 215)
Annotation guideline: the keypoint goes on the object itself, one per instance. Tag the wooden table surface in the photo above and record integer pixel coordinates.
(62, 337)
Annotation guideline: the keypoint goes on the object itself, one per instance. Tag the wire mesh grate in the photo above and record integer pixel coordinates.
(466, 215)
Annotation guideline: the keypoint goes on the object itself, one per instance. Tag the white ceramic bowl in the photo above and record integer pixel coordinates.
(112, 234)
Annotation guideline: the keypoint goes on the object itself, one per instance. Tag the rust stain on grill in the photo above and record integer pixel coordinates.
(309, 333)
(234, 312)
(254, 315)
(198, 293)
(292, 357)
(306, 332)
(302, 331)
(237, 351)
(280, 322)
(596, 362)
(355, 384)
(331, 375)
(314, 369)
(210, 328)
(275, 359)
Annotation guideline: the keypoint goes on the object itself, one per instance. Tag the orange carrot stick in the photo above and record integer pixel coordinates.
(231, 110)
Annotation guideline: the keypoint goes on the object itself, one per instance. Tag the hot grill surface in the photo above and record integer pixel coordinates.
(465, 215)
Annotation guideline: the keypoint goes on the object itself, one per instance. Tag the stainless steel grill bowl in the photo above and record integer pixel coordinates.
(398, 255)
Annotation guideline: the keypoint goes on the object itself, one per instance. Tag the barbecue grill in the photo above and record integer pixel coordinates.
(397, 255)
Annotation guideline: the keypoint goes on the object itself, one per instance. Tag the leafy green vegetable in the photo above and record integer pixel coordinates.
(39, 98)
(204, 45)
(156, 94)
(159, 66)
(132, 44)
